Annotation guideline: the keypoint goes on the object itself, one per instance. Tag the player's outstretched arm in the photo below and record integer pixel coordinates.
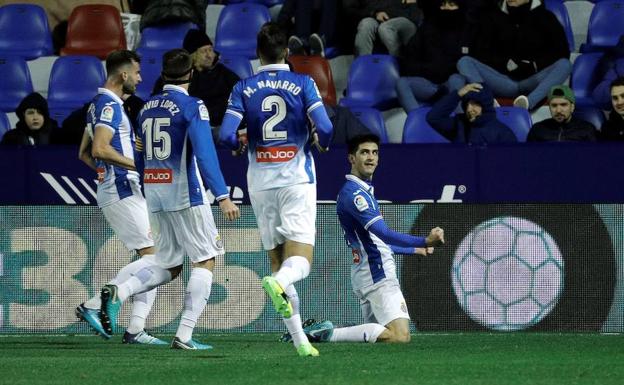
(84, 152)
(425, 251)
(323, 127)
(101, 149)
(391, 237)
(227, 133)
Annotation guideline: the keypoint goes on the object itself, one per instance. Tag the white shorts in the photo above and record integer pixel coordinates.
(286, 213)
(382, 302)
(191, 231)
(129, 220)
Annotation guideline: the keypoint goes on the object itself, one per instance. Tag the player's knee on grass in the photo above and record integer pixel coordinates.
(398, 331)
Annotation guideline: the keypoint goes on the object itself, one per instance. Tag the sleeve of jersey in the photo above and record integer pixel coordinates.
(232, 118)
(317, 112)
(391, 237)
(200, 134)
(139, 161)
(402, 250)
(109, 116)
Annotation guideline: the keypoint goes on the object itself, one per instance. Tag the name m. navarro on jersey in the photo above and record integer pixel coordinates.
(274, 84)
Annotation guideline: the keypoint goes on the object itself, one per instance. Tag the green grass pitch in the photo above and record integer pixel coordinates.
(468, 358)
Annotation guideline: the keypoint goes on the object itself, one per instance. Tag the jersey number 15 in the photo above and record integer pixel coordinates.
(155, 136)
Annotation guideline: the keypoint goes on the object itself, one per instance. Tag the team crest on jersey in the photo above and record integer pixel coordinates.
(203, 112)
(219, 242)
(360, 202)
(107, 114)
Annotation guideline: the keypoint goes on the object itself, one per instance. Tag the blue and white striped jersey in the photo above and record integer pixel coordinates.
(114, 182)
(357, 211)
(178, 151)
(275, 104)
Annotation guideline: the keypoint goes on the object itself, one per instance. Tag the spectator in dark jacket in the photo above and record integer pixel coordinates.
(613, 128)
(34, 126)
(562, 127)
(428, 62)
(212, 82)
(394, 20)
(159, 12)
(346, 125)
(478, 123)
(520, 52)
(310, 24)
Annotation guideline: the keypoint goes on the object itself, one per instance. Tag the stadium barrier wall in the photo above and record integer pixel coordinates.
(505, 267)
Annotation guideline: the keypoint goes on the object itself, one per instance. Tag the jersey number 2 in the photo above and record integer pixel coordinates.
(153, 135)
(268, 132)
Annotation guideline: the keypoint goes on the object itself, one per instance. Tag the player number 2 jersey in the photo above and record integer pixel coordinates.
(275, 103)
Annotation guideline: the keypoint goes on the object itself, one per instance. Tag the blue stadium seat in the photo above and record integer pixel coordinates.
(266, 3)
(592, 115)
(561, 12)
(5, 125)
(371, 83)
(237, 28)
(74, 80)
(373, 120)
(151, 66)
(15, 82)
(583, 78)
(24, 31)
(240, 65)
(605, 25)
(517, 119)
(164, 37)
(60, 114)
(418, 130)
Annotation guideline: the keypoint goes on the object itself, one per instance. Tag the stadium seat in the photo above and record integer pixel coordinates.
(240, 65)
(318, 68)
(373, 120)
(164, 37)
(592, 115)
(24, 31)
(237, 28)
(561, 12)
(517, 119)
(579, 11)
(151, 66)
(605, 25)
(583, 78)
(371, 82)
(74, 80)
(15, 82)
(94, 29)
(4, 124)
(60, 114)
(418, 130)
(266, 3)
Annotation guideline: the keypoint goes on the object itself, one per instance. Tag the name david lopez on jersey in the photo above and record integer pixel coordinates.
(164, 103)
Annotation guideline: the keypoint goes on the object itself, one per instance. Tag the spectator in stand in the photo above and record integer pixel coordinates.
(610, 67)
(211, 81)
(34, 126)
(310, 24)
(395, 21)
(562, 126)
(428, 63)
(158, 12)
(520, 52)
(477, 125)
(613, 128)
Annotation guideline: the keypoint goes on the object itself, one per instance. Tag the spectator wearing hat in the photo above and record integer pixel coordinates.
(212, 82)
(34, 126)
(477, 125)
(562, 126)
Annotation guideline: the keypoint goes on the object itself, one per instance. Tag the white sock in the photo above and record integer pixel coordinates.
(195, 299)
(123, 275)
(360, 333)
(293, 297)
(293, 324)
(293, 269)
(143, 280)
(141, 306)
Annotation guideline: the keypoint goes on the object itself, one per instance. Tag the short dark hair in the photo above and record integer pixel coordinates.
(176, 64)
(617, 83)
(272, 42)
(354, 143)
(117, 59)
